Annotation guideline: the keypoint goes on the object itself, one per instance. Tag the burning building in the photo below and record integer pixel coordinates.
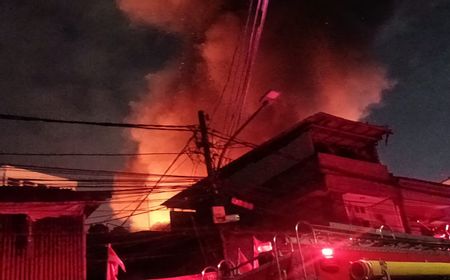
(324, 171)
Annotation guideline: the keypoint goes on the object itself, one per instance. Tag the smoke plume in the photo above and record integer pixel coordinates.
(317, 53)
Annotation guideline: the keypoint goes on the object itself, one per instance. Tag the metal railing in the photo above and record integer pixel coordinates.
(277, 252)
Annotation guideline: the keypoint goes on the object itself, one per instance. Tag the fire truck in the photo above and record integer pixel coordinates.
(339, 251)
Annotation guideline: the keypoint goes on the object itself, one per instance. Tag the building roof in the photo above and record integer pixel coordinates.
(322, 127)
(332, 129)
(47, 196)
(36, 194)
(18, 176)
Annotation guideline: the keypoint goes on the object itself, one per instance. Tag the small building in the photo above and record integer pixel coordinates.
(42, 232)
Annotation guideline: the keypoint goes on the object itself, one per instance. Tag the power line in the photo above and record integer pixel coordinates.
(106, 124)
(88, 172)
(255, 38)
(85, 154)
(110, 182)
(162, 176)
(124, 217)
(212, 132)
(222, 136)
(234, 65)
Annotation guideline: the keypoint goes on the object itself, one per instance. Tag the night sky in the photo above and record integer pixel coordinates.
(415, 46)
(85, 60)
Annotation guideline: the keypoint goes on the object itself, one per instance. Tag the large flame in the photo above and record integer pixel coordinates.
(299, 57)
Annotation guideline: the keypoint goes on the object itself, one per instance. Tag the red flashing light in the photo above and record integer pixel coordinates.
(329, 263)
(328, 253)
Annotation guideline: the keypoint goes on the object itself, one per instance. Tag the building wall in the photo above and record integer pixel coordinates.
(426, 202)
(50, 248)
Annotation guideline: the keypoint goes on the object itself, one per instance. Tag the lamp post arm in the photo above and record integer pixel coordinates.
(235, 134)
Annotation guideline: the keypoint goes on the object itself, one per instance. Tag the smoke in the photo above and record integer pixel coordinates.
(317, 54)
(171, 15)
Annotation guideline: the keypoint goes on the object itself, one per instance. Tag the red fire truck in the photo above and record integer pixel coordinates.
(339, 251)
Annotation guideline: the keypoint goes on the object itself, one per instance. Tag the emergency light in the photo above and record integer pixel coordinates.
(329, 263)
(264, 247)
(328, 253)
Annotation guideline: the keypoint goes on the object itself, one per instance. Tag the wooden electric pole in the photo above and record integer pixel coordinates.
(204, 143)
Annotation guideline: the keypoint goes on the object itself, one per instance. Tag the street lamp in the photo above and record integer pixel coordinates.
(267, 99)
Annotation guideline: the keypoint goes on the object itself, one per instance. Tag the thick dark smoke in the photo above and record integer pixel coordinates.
(72, 60)
(317, 53)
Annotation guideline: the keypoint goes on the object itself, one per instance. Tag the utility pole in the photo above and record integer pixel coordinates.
(218, 206)
(204, 143)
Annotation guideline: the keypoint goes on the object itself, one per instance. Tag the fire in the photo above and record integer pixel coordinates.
(297, 57)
